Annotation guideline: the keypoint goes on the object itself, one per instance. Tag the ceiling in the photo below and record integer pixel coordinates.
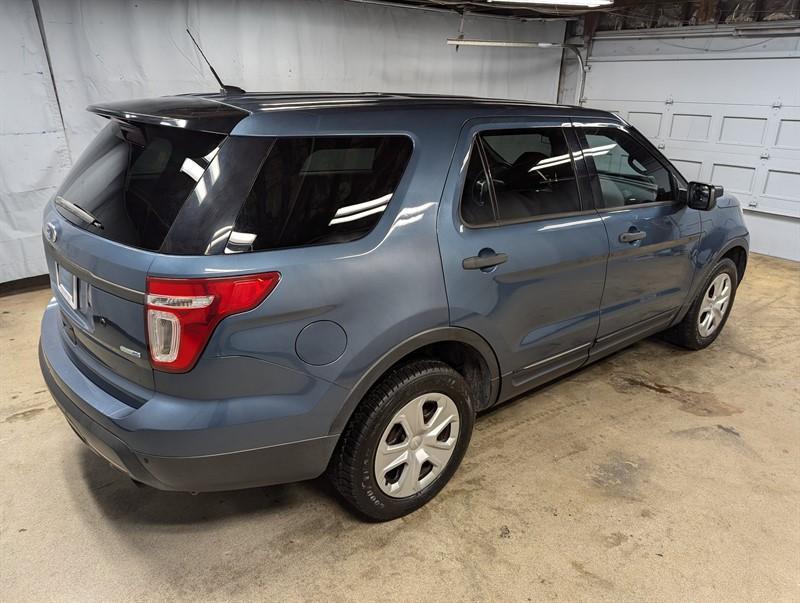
(628, 14)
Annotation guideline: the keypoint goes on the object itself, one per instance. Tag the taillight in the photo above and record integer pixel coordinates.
(182, 313)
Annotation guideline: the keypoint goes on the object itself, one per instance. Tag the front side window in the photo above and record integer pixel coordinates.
(627, 172)
(531, 175)
(317, 190)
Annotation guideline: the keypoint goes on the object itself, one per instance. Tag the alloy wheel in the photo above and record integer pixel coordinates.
(714, 305)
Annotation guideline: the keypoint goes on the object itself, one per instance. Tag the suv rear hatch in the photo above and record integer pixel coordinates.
(115, 212)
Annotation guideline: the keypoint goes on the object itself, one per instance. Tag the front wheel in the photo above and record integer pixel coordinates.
(710, 310)
(404, 441)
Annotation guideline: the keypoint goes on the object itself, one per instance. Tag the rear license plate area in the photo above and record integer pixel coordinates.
(67, 284)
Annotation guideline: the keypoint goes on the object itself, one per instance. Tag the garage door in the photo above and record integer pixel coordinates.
(730, 121)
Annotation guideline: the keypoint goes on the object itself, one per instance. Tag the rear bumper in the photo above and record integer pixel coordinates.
(77, 397)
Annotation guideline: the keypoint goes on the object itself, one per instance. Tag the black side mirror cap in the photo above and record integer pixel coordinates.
(703, 196)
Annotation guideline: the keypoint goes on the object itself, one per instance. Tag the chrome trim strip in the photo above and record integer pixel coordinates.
(130, 352)
(556, 357)
(90, 277)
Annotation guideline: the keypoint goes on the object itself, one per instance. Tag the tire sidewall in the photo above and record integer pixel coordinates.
(728, 267)
(382, 506)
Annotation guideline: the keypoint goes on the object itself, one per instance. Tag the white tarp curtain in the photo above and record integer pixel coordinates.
(33, 152)
(101, 51)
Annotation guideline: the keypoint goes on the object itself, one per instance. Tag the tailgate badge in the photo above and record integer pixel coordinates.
(50, 232)
(130, 352)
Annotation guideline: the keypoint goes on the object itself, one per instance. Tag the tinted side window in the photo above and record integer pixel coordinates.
(476, 202)
(531, 172)
(319, 190)
(628, 173)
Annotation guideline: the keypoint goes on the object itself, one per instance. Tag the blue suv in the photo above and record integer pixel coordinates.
(252, 289)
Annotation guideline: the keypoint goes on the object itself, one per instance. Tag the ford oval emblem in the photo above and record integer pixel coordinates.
(50, 232)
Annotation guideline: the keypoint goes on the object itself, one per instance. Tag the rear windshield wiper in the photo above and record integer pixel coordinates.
(77, 210)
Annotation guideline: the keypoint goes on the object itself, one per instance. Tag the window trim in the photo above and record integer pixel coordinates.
(476, 141)
(477, 145)
(594, 177)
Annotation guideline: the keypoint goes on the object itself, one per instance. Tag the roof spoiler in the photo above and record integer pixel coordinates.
(189, 112)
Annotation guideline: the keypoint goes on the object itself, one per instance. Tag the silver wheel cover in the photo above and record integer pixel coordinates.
(714, 305)
(416, 445)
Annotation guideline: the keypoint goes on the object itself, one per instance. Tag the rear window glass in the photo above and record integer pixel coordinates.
(134, 179)
(317, 190)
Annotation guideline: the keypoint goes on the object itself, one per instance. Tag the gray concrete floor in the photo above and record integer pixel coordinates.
(656, 474)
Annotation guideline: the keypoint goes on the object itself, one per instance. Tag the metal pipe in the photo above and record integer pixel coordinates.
(462, 8)
(433, 9)
(454, 10)
(502, 44)
(758, 29)
(581, 74)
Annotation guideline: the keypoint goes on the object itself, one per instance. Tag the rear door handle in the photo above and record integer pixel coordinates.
(481, 262)
(632, 236)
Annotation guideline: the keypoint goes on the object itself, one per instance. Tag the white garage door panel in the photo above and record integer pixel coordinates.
(690, 127)
(740, 128)
(788, 134)
(776, 236)
(745, 81)
(690, 169)
(647, 122)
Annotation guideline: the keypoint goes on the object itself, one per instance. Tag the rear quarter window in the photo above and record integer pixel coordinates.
(318, 190)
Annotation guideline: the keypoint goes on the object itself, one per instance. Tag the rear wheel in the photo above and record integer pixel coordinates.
(405, 440)
(709, 311)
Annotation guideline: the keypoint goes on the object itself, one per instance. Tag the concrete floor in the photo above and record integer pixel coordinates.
(657, 474)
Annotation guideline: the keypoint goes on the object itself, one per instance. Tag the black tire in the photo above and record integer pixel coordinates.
(687, 332)
(352, 466)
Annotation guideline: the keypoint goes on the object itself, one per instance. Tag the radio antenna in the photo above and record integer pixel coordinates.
(223, 88)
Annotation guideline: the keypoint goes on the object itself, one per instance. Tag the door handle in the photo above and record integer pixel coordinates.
(489, 259)
(632, 236)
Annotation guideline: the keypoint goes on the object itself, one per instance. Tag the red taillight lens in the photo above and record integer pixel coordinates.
(182, 313)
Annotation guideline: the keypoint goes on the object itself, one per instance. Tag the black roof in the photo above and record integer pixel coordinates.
(257, 101)
(221, 112)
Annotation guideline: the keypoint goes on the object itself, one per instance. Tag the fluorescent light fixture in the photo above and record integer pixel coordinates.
(242, 238)
(559, 159)
(192, 169)
(358, 216)
(502, 44)
(348, 210)
(582, 3)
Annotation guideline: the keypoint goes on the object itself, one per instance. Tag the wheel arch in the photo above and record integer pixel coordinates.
(738, 254)
(465, 350)
(737, 249)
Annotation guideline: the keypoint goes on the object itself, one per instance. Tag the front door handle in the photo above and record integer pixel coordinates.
(487, 259)
(632, 236)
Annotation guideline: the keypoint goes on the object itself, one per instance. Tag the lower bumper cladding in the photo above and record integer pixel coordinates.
(281, 463)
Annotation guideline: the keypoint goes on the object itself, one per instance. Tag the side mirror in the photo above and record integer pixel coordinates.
(703, 196)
